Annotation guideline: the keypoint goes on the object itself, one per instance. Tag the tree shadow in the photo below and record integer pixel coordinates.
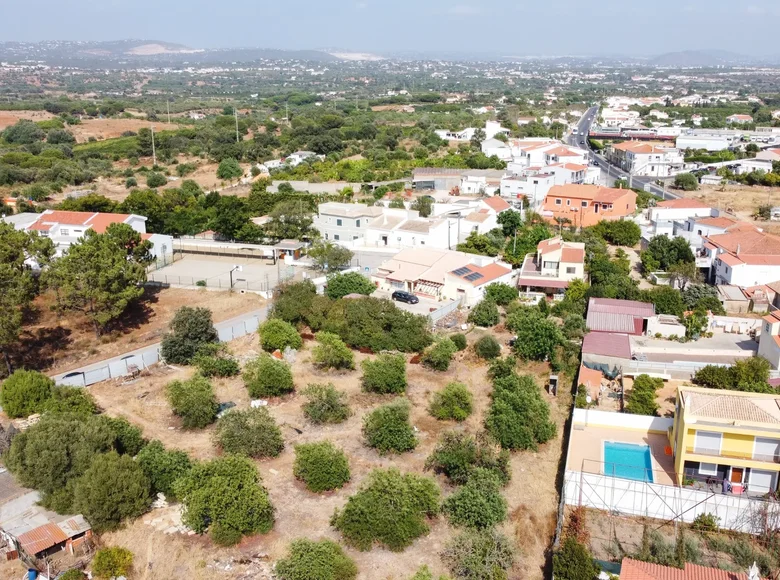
(37, 349)
(138, 313)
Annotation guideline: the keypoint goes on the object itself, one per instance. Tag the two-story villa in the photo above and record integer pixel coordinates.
(553, 266)
(727, 437)
(586, 205)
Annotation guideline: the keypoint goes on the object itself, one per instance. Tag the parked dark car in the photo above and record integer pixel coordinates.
(407, 297)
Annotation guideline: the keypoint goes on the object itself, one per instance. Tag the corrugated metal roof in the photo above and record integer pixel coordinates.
(41, 538)
(607, 344)
(621, 306)
(614, 322)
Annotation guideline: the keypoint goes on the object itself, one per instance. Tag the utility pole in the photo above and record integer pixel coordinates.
(235, 114)
(154, 152)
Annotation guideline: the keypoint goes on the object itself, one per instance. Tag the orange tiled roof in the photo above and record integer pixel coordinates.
(573, 255)
(69, 218)
(496, 203)
(717, 222)
(488, 273)
(636, 570)
(683, 203)
(102, 220)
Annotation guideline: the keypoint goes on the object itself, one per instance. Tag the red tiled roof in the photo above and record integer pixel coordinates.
(101, 221)
(573, 255)
(635, 570)
(496, 203)
(607, 344)
(488, 273)
(718, 222)
(682, 203)
(41, 538)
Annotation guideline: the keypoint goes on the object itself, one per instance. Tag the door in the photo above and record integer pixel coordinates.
(762, 481)
(384, 240)
(736, 475)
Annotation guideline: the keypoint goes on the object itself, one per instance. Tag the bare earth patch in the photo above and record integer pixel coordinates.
(531, 494)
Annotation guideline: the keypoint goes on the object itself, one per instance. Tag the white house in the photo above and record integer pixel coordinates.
(498, 148)
(493, 128)
(345, 223)
(554, 264)
(739, 119)
(678, 209)
(564, 173)
(646, 159)
(64, 228)
(744, 257)
(298, 157)
(442, 274)
(533, 187)
(564, 154)
(707, 142)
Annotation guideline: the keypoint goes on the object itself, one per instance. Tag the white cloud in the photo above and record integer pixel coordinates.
(464, 10)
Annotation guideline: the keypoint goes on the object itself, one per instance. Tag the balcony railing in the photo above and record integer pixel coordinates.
(533, 268)
(731, 454)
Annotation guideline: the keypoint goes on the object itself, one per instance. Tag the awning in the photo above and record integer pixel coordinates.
(542, 283)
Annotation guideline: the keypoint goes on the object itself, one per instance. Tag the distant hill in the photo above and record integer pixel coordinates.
(700, 58)
(124, 52)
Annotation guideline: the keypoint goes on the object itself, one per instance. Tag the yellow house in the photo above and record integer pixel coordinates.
(727, 435)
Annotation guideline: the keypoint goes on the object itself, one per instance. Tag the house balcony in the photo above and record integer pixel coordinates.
(733, 454)
(532, 268)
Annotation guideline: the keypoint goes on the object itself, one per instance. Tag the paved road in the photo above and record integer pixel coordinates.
(261, 313)
(613, 172)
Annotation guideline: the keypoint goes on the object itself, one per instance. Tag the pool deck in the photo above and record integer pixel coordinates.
(586, 449)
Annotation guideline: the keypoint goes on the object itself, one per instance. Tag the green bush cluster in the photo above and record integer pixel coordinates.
(479, 555)
(251, 432)
(366, 323)
(385, 375)
(458, 454)
(519, 417)
(309, 560)
(191, 328)
(500, 293)
(453, 402)
(642, 397)
(439, 356)
(213, 360)
(537, 335)
(390, 509)
(163, 467)
(278, 334)
(332, 353)
(387, 428)
(325, 404)
(70, 401)
(194, 401)
(750, 375)
(573, 561)
(25, 392)
(459, 340)
(112, 562)
(479, 503)
(341, 284)
(226, 497)
(485, 313)
(321, 466)
(266, 376)
(487, 347)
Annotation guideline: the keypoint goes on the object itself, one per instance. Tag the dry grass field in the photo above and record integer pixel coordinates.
(531, 494)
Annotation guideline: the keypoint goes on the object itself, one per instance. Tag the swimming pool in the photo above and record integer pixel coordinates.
(628, 461)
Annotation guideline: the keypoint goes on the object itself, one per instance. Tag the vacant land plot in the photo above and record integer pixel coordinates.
(8, 118)
(58, 343)
(111, 128)
(531, 494)
(741, 200)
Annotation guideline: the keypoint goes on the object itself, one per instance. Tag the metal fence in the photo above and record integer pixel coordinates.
(437, 315)
(132, 363)
(219, 283)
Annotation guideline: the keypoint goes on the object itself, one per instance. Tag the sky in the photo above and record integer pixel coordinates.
(502, 27)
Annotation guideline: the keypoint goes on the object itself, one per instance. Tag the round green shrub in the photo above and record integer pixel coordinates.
(266, 376)
(459, 340)
(389, 509)
(112, 562)
(332, 353)
(485, 313)
(454, 402)
(194, 401)
(25, 393)
(487, 347)
(73, 574)
(573, 561)
(458, 454)
(278, 334)
(439, 356)
(386, 374)
(309, 560)
(162, 466)
(71, 401)
(478, 504)
(325, 404)
(251, 432)
(321, 466)
(387, 428)
(479, 555)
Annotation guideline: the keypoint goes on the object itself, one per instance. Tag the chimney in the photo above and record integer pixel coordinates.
(754, 573)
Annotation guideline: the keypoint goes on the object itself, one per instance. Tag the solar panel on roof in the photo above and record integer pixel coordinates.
(461, 271)
(474, 276)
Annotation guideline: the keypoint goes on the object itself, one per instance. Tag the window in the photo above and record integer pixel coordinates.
(558, 202)
(766, 449)
(336, 237)
(568, 202)
(326, 236)
(354, 237)
(422, 242)
(77, 232)
(708, 469)
(338, 222)
(584, 204)
(570, 269)
(550, 265)
(698, 232)
(767, 327)
(64, 232)
(707, 442)
(357, 223)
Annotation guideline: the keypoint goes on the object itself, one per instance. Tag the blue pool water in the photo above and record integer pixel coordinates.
(628, 461)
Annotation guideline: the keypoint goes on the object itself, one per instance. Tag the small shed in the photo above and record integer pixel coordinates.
(733, 299)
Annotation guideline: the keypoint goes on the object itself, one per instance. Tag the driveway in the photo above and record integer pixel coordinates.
(424, 307)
